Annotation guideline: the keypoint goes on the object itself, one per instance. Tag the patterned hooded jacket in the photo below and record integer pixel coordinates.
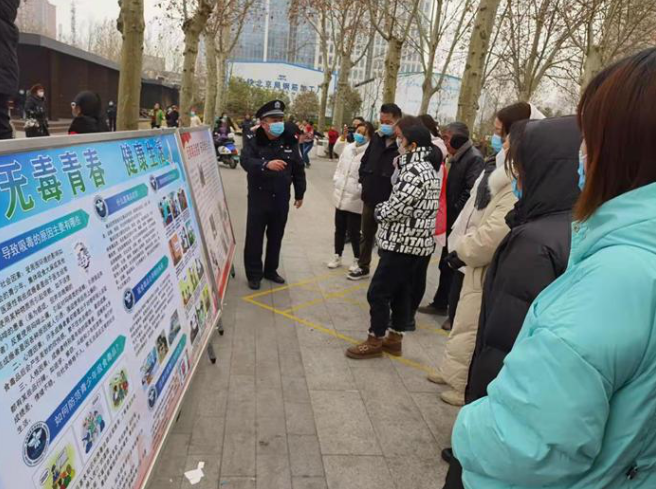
(407, 219)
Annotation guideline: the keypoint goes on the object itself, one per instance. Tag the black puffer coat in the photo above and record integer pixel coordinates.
(464, 171)
(8, 47)
(536, 250)
(377, 168)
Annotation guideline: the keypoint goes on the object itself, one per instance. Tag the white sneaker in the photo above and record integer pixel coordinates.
(354, 267)
(336, 262)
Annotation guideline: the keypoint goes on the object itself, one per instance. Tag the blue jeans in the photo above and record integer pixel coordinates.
(307, 147)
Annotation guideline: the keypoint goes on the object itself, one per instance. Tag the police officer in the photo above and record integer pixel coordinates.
(273, 162)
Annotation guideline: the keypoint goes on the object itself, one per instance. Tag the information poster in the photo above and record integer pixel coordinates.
(105, 306)
(211, 202)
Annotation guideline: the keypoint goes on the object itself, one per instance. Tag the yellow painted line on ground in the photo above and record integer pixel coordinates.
(335, 334)
(332, 295)
(288, 286)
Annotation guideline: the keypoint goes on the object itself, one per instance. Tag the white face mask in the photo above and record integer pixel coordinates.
(399, 143)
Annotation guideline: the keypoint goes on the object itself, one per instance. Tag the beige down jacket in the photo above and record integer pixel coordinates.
(476, 248)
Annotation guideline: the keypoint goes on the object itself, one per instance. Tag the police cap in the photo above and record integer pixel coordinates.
(275, 108)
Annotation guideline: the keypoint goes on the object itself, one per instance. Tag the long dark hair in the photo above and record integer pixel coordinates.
(617, 117)
(430, 123)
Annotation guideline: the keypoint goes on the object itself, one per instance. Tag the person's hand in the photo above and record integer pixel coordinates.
(453, 261)
(298, 204)
(276, 165)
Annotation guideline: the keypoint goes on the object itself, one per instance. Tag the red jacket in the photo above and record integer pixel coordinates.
(333, 135)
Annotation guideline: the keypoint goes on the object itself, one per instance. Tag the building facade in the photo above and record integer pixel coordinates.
(38, 17)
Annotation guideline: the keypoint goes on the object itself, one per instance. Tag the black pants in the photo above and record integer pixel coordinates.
(269, 219)
(392, 288)
(5, 127)
(368, 237)
(454, 476)
(331, 150)
(454, 294)
(347, 221)
(418, 291)
(441, 299)
(112, 124)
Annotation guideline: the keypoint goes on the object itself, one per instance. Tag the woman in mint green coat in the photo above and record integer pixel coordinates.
(574, 406)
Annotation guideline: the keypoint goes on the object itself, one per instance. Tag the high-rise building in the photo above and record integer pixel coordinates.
(38, 17)
(272, 33)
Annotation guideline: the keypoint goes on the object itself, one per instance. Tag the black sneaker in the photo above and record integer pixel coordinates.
(358, 274)
(254, 284)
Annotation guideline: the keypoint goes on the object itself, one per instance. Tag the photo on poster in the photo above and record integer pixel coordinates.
(174, 328)
(61, 469)
(149, 368)
(215, 232)
(186, 289)
(184, 239)
(183, 368)
(166, 210)
(118, 389)
(201, 175)
(194, 328)
(182, 198)
(162, 347)
(177, 210)
(90, 426)
(175, 249)
(191, 233)
(206, 299)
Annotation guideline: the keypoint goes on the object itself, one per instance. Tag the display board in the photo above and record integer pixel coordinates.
(211, 203)
(105, 306)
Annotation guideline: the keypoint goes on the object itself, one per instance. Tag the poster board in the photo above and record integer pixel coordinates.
(105, 306)
(211, 203)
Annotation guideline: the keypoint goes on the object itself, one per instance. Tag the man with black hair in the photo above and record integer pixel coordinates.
(8, 62)
(466, 164)
(376, 172)
(273, 162)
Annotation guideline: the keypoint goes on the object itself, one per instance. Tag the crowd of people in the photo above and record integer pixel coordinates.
(547, 272)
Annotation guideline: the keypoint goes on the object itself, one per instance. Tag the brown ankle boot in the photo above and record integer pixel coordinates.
(393, 344)
(371, 348)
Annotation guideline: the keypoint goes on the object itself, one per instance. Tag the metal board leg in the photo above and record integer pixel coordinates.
(221, 330)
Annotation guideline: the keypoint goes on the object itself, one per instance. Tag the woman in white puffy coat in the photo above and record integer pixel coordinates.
(348, 192)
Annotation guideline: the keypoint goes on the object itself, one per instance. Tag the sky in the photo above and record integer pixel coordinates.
(87, 10)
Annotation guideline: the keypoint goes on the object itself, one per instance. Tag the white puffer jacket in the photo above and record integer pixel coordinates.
(348, 192)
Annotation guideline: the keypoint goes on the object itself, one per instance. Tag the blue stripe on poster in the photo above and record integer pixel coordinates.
(19, 247)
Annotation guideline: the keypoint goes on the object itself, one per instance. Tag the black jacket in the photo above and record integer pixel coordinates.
(8, 47)
(35, 108)
(377, 168)
(264, 184)
(85, 124)
(461, 178)
(536, 250)
(111, 113)
(172, 118)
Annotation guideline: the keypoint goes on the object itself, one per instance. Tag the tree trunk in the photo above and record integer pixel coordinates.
(593, 65)
(221, 83)
(132, 25)
(472, 78)
(342, 85)
(192, 29)
(323, 103)
(426, 90)
(212, 80)
(392, 67)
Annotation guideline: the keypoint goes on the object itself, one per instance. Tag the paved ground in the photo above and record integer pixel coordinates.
(283, 408)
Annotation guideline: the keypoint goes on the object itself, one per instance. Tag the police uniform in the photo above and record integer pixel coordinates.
(269, 194)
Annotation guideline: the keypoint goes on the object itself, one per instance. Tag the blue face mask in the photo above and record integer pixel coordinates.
(497, 143)
(359, 139)
(582, 161)
(276, 128)
(515, 190)
(387, 129)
